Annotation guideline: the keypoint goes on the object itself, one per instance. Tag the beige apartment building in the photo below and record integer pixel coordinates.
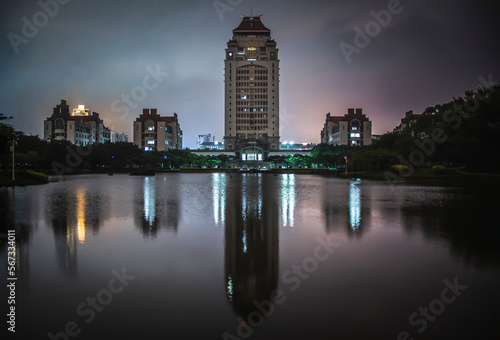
(155, 132)
(353, 129)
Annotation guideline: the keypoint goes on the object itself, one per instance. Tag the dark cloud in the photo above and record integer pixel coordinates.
(93, 52)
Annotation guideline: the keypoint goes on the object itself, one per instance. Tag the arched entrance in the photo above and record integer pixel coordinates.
(252, 153)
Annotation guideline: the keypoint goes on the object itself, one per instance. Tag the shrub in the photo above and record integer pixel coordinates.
(438, 169)
(399, 168)
(37, 176)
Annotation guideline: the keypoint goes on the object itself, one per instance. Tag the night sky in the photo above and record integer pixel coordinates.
(93, 52)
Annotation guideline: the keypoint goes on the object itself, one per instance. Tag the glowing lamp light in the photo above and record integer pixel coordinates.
(81, 107)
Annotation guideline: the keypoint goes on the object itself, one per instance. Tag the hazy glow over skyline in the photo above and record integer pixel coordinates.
(96, 52)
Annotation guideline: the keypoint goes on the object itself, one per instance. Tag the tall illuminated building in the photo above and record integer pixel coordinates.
(251, 90)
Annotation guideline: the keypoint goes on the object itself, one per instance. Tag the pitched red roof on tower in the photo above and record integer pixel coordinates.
(251, 24)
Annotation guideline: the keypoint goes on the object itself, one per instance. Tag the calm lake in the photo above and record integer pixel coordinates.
(251, 256)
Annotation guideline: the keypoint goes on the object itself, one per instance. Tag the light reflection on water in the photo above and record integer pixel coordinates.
(214, 244)
(219, 197)
(150, 201)
(287, 199)
(355, 204)
(80, 203)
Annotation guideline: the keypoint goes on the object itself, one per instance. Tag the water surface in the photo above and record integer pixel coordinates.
(196, 253)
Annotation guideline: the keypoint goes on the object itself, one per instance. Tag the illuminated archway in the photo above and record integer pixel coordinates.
(252, 153)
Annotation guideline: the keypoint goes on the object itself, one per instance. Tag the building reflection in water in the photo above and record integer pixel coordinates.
(355, 205)
(171, 214)
(72, 213)
(80, 214)
(63, 218)
(18, 212)
(150, 202)
(158, 205)
(251, 241)
(343, 209)
(219, 198)
(287, 199)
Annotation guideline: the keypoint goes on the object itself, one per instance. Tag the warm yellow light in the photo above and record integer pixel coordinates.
(80, 214)
(81, 107)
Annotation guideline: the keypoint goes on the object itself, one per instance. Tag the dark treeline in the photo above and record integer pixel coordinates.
(462, 133)
(62, 157)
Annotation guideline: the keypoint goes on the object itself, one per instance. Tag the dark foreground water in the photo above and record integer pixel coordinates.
(209, 256)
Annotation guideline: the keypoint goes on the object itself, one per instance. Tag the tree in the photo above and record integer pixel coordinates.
(6, 135)
(275, 159)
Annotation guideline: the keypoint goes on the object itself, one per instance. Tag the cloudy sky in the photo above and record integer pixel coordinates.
(99, 52)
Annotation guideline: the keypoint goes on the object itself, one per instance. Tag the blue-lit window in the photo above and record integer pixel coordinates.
(151, 142)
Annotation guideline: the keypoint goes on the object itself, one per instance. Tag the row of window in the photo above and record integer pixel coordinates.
(251, 128)
(252, 91)
(81, 127)
(153, 142)
(246, 102)
(256, 69)
(251, 121)
(81, 135)
(251, 95)
(262, 49)
(252, 84)
(242, 136)
(252, 78)
(251, 115)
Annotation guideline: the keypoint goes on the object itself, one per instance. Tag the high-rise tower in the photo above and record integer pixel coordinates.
(251, 88)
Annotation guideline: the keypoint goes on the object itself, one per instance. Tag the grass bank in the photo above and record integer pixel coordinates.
(23, 177)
